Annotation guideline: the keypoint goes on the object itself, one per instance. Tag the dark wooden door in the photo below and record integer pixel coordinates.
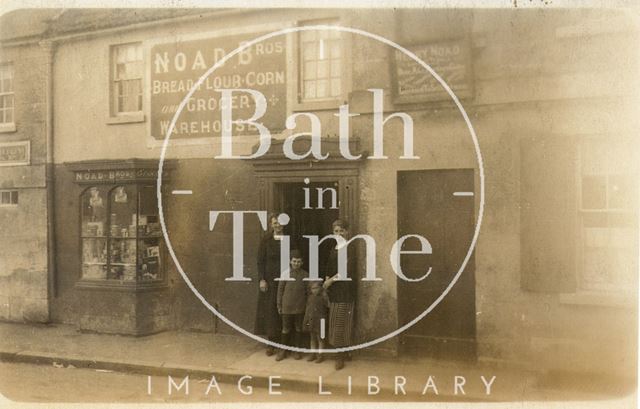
(428, 206)
(315, 220)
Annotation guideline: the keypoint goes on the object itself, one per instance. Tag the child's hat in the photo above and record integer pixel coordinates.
(295, 253)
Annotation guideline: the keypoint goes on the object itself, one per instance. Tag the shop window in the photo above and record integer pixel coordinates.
(8, 197)
(320, 64)
(127, 68)
(120, 234)
(7, 104)
(607, 219)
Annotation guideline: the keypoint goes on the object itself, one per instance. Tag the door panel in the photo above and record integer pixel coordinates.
(427, 206)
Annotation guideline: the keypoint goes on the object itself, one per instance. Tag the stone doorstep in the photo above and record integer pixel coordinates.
(297, 382)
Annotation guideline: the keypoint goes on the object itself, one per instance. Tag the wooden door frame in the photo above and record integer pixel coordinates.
(274, 168)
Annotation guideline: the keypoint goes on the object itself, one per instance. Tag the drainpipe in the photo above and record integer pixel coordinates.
(48, 48)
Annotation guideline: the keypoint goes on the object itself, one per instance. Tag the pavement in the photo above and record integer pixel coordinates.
(230, 357)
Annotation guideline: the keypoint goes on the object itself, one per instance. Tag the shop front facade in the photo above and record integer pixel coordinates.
(553, 266)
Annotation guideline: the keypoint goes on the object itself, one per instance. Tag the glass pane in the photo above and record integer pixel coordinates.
(309, 51)
(597, 268)
(597, 237)
(131, 53)
(334, 48)
(322, 50)
(149, 254)
(594, 192)
(621, 192)
(94, 258)
(621, 158)
(94, 213)
(594, 158)
(308, 35)
(121, 71)
(321, 91)
(309, 70)
(335, 68)
(148, 223)
(594, 220)
(335, 87)
(323, 69)
(135, 70)
(8, 115)
(121, 56)
(123, 220)
(6, 197)
(623, 220)
(309, 89)
(123, 251)
(122, 272)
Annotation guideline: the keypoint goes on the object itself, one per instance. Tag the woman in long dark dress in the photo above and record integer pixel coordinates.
(268, 322)
(341, 295)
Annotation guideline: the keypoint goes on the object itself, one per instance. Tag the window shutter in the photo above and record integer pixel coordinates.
(548, 214)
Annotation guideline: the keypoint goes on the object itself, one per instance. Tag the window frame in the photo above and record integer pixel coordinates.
(8, 126)
(116, 116)
(119, 284)
(612, 294)
(298, 102)
(12, 193)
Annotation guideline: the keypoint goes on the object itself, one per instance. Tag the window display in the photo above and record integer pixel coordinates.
(120, 233)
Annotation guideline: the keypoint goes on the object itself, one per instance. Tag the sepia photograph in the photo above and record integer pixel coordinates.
(343, 203)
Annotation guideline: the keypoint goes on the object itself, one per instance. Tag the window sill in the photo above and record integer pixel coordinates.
(129, 118)
(116, 285)
(599, 299)
(6, 128)
(326, 105)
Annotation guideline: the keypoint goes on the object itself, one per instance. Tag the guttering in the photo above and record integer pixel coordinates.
(49, 50)
(130, 27)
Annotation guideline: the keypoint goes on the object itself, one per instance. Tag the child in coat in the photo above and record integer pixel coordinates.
(292, 297)
(315, 317)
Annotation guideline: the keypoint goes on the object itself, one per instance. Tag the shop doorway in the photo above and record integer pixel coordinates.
(427, 206)
(308, 216)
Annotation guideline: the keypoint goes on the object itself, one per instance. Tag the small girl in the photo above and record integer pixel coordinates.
(316, 311)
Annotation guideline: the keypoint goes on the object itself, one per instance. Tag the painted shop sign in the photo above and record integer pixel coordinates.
(451, 60)
(15, 153)
(92, 176)
(176, 67)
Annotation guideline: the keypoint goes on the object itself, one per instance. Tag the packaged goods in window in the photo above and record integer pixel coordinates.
(94, 251)
(93, 229)
(142, 225)
(96, 205)
(149, 269)
(94, 271)
(122, 209)
(153, 251)
(115, 273)
(153, 229)
(129, 273)
(121, 195)
(123, 251)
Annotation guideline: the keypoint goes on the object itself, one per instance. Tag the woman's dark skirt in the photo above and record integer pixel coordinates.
(268, 322)
(340, 324)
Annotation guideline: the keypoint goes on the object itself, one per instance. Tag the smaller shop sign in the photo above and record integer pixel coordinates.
(451, 60)
(15, 153)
